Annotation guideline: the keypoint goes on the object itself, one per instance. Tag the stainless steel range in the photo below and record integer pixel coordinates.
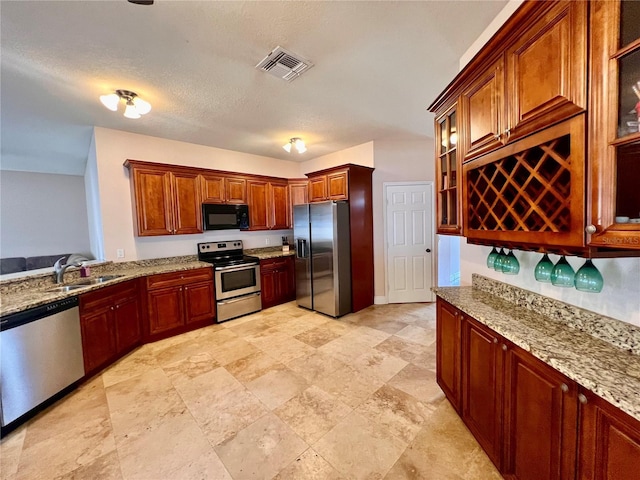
(237, 278)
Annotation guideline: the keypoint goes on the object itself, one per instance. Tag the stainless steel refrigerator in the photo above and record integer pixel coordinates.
(323, 257)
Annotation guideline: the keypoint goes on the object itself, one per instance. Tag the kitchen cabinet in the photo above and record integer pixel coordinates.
(331, 185)
(353, 183)
(298, 195)
(538, 80)
(223, 189)
(277, 281)
(448, 166)
(614, 132)
(483, 381)
(110, 323)
(166, 200)
(540, 419)
(178, 302)
(448, 343)
(609, 445)
(268, 205)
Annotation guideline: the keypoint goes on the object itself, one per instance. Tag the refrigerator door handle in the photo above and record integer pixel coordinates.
(301, 250)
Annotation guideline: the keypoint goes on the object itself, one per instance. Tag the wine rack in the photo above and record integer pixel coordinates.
(530, 193)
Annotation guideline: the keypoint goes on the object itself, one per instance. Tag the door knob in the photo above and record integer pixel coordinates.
(428, 250)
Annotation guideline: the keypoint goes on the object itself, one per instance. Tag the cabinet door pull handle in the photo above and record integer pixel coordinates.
(498, 137)
(186, 288)
(591, 229)
(564, 387)
(583, 400)
(495, 340)
(504, 347)
(111, 308)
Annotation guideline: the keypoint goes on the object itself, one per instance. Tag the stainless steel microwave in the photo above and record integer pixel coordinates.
(220, 216)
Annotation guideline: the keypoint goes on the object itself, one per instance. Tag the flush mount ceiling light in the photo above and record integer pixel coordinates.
(134, 105)
(296, 142)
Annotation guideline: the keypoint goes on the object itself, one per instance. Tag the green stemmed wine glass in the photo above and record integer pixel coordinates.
(588, 278)
(510, 264)
(543, 269)
(492, 257)
(562, 274)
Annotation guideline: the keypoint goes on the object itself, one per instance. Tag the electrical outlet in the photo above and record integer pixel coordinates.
(120, 253)
(267, 241)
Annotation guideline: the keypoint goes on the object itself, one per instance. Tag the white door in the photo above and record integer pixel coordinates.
(409, 242)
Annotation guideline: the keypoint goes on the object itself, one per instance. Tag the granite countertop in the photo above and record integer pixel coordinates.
(270, 252)
(19, 295)
(606, 360)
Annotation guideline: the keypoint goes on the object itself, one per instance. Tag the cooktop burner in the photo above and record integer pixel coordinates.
(224, 254)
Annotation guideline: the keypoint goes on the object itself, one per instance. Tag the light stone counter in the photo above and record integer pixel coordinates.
(20, 294)
(269, 252)
(600, 353)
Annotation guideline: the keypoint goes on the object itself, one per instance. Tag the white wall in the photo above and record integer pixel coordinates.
(395, 161)
(42, 214)
(92, 191)
(620, 297)
(113, 147)
(358, 155)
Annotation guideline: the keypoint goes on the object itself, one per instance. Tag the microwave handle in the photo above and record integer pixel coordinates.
(301, 250)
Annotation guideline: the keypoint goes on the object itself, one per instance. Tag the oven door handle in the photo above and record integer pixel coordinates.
(239, 299)
(244, 266)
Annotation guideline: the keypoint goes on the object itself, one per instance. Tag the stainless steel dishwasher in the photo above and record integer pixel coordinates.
(40, 355)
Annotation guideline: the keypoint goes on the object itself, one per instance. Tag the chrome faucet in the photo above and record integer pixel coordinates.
(59, 269)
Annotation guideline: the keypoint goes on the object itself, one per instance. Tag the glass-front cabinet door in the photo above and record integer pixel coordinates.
(447, 173)
(614, 132)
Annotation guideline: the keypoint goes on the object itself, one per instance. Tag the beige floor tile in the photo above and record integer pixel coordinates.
(349, 385)
(80, 446)
(136, 363)
(400, 413)
(178, 352)
(366, 336)
(417, 334)
(344, 349)
(106, 467)
(253, 366)
(261, 450)
(312, 413)
(286, 349)
(359, 448)
(421, 355)
(378, 364)
(383, 323)
(317, 336)
(445, 445)
(309, 466)
(419, 382)
(337, 325)
(277, 386)
(177, 448)
(10, 450)
(141, 403)
(190, 367)
(231, 350)
(315, 366)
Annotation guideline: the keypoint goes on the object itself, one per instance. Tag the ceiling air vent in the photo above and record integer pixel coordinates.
(284, 64)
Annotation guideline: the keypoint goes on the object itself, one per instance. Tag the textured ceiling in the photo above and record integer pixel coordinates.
(378, 65)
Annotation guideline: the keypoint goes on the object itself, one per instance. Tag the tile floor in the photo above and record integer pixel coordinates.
(284, 394)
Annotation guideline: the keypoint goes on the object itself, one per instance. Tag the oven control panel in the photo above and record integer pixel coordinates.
(213, 247)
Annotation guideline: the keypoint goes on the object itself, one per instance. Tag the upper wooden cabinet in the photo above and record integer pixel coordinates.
(538, 80)
(268, 205)
(167, 199)
(614, 126)
(448, 167)
(332, 185)
(223, 189)
(551, 64)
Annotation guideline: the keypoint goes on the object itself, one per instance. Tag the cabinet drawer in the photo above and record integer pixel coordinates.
(172, 279)
(108, 296)
(273, 263)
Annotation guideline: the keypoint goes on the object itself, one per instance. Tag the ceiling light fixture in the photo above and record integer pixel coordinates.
(134, 105)
(298, 143)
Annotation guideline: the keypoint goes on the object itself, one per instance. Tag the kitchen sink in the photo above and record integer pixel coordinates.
(65, 288)
(96, 280)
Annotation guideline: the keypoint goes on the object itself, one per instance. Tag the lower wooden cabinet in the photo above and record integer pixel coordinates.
(532, 421)
(448, 366)
(277, 280)
(609, 441)
(110, 324)
(179, 301)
